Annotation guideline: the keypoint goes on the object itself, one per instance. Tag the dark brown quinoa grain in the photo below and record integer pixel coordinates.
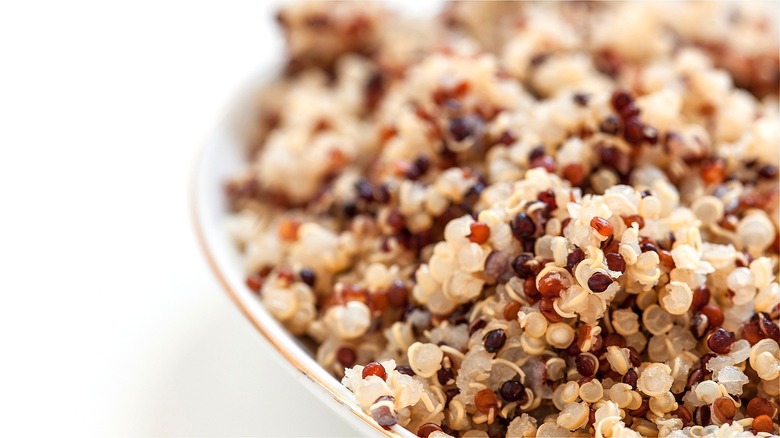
(513, 391)
(701, 297)
(768, 171)
(750, 332)
(641, 410)
(522, 265)
(614, 340)
(523, 226)
(346, 357)
(548, 198)
(615, 262)
(547, 309)
(620, 100)
(405, 369)
(631, 378)
(308, 276)
(383, 416)
(683, 414)
(428, 428)
(396, 220)
(397, 294)
(476, 325)
(445, 375)
(581, 99)
(695, 377)
(768, 328)
(450, 394)
(599, 282)
(714, 314)
(586, 366)
(702, 415)
(494, 340)
(720, 341)
(633, 131)
(573, 258)
(461, 128)
(633, 356)
(648, 245)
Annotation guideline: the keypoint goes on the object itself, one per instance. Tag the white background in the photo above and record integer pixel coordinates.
(110, 321)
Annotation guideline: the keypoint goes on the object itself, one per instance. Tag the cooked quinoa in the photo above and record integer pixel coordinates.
(526, 219)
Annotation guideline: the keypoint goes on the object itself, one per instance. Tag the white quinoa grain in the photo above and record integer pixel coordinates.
(663, 403)
(570, 392)
(559, 335)
(592, 391)
(425, 359)
(625, 322)
(676, 297)
(535, 324)
(553, 430)
(707, 391)
(618, 359)
(655, 380)
(620, 393)
(573, 416)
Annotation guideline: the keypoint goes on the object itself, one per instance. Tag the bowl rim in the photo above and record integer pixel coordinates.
(315, 375)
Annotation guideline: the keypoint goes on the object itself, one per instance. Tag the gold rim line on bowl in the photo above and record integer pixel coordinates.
(290, 358)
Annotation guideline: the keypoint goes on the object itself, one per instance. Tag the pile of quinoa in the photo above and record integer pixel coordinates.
(526, 219)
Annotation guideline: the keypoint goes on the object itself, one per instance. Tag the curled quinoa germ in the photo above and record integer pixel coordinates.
(526, 219)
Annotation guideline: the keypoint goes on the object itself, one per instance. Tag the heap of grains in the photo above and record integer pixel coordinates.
(527, 219)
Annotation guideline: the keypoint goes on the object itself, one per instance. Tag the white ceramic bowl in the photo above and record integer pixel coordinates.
(222, 156)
